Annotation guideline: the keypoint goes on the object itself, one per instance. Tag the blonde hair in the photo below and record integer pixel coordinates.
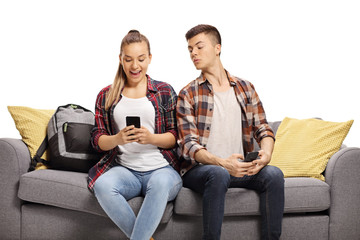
(113, 95)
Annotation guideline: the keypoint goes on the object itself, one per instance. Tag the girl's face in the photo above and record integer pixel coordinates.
(135, 59)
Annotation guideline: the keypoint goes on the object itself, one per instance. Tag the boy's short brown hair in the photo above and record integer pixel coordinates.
(207, 29)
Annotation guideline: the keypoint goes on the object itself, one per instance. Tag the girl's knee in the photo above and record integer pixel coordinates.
(165, 180)
(164, 185)
(101, 186)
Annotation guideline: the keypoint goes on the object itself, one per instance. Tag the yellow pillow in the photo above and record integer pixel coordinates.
(31, 124)
(303, 147)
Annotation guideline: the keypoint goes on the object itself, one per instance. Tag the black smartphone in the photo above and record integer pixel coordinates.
(133, 120)
(251, 156)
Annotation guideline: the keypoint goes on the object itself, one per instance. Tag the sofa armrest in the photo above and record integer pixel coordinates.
(14, 161)
(343, 175)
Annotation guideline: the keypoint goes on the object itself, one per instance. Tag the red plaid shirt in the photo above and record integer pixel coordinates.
(194, 114)
(163, 97)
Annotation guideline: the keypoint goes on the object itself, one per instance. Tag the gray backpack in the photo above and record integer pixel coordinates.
(68, 140)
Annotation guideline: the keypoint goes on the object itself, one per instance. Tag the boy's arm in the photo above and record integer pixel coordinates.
(187, 128)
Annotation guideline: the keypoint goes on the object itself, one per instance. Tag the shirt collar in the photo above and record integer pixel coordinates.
(232, 82)
(151, 85)
(231, 79)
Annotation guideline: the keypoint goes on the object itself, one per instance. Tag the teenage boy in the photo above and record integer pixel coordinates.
(218, 115)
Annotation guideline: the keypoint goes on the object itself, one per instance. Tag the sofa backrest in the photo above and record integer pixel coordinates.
(274, 126)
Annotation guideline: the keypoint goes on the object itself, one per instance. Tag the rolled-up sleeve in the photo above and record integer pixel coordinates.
(189, 142)
(261, 128)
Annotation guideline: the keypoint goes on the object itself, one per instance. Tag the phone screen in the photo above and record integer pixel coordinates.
(133, 120)
(251, 156)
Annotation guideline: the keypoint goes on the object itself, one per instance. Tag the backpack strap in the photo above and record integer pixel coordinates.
(37, 158)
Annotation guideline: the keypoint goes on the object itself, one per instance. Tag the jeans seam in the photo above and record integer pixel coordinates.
(267, 214)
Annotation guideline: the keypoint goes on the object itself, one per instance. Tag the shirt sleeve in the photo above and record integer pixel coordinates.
(100, 121)
(261, 128)
(188, 141)
(170, 113)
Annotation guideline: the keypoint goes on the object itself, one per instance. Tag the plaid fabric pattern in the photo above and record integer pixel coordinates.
(164, 99)
(194, 114)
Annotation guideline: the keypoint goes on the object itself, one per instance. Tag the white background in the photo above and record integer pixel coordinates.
(302, 56)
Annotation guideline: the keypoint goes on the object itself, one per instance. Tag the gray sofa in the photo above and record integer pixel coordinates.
(52, 204)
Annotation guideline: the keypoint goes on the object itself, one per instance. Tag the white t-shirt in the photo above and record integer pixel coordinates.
(139, 157)
(226, 128)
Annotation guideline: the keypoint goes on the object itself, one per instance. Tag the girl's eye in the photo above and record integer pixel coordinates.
(127, 60)
(141, 60)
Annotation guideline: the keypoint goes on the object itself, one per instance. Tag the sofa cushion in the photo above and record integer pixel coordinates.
(68, 190)
(303, 147)
(32, 124)
(301, 195)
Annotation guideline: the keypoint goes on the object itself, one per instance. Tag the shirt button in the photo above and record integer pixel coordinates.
(210, 109)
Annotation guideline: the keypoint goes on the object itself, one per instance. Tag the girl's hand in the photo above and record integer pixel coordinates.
(126, 135)
(143, 136)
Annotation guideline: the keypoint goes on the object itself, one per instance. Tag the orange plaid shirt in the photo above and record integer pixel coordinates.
(194, 114)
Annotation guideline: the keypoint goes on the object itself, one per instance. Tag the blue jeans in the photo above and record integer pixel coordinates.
(118, 185)
(213, 181)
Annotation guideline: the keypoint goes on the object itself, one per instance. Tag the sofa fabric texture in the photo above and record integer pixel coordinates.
(53, 204)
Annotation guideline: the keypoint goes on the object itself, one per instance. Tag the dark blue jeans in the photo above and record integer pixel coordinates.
(213, 181)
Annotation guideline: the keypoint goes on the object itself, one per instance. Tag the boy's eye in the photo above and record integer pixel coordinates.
(142, 59)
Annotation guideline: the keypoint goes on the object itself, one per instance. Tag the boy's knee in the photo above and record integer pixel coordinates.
(219, 176)
(277, 173)
(274, 175)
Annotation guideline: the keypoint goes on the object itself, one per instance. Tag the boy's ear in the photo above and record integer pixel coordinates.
(218, 49)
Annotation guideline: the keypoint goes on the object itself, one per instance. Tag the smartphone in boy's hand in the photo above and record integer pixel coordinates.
(251, 156)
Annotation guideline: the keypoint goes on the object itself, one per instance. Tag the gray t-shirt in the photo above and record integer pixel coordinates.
(226, 130)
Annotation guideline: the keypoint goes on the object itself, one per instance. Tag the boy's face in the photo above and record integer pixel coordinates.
(203, 51)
